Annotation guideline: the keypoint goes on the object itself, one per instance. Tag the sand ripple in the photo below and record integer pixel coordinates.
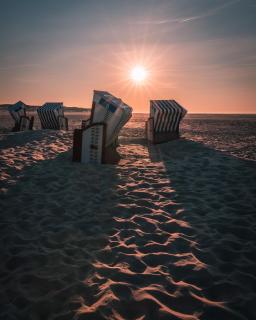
(169, 233)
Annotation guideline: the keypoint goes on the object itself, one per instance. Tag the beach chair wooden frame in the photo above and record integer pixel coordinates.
(89, 121)
(26, 123)
(159, 137)
(63, 123)
(88, 143)
(21, 122)
(93, 149)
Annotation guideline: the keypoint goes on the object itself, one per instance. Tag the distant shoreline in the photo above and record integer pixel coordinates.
(84, 109)
(33, 108)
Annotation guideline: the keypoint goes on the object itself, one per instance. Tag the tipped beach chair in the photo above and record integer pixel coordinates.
(164, 120)
(21, 121)
(96, 141)
(51, 116)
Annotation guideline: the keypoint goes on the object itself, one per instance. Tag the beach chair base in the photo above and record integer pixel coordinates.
(89, 146)
(149, 130)
(165, 137)
(159, 137)
(110, 155)
(63, 123)
(16, 127)
(24, 124)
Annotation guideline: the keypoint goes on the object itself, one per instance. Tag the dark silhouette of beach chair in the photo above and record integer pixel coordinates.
(96, 141)
(51, 116)
(164, 120)
(21, 121)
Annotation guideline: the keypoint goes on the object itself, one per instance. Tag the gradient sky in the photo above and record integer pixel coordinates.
(200, 52)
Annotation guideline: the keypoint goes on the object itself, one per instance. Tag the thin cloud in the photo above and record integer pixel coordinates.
(208, 13)
(19, 66)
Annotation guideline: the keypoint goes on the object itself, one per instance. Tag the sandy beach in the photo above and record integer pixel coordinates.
(168, 233)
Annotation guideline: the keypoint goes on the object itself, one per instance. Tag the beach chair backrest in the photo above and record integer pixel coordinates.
(49, 115)
(112, 111)
(17, 111)
(166, 115)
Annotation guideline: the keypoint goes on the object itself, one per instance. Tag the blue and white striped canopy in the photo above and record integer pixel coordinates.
(105, 105)
(51, 106)
(111, 111)
(166, 115)
(49, 113)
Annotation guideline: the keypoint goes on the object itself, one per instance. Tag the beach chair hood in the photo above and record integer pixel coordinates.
(49, 114)
(112, 111)
(166, 115)
(17, 111)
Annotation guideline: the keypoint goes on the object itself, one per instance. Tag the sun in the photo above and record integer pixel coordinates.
(138, 74)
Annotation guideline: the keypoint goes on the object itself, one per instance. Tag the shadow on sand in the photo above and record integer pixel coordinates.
(54, 218)
(23, 137)
(167, 234)
(218, 195)
(183, 241)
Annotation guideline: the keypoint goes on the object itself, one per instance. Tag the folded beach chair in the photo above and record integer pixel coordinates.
(96, 141)
(51, 116)
(21, 121)
(164, 120)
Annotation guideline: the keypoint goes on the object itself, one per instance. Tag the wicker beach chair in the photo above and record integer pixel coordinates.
(21, 121)
(51, 116)
(164, 120)
(96, 141)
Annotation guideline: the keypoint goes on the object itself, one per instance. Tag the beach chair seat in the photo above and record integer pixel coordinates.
(108, 115)
(26, 123)
(88, 144)
(51, 116)
(21, 121)
(164, 120)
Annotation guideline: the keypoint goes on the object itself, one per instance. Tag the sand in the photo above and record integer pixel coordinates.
(169, 233)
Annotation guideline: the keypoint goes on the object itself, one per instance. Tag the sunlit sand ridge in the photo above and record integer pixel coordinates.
(169, 233)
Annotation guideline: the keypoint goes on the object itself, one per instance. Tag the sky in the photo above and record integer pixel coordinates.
(201, 53)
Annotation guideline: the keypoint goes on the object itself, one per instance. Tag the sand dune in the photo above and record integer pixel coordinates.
(169, 233)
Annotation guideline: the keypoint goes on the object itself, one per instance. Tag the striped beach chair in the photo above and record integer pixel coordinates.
(96, 141)
(163, 123)
(21, 121)
(51, 116)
